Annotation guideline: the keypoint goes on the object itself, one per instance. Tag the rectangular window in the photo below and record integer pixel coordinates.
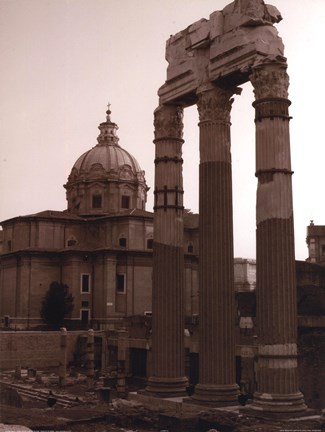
(122, 242)
(84, 315)
(120, 283)
(150, 244)
(7, 321)
(85, 283)
(323, 249)
(96, 201)
(125, 204)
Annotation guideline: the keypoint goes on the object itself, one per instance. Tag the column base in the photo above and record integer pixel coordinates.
(215, 395)
(269, 405)
(166, 387)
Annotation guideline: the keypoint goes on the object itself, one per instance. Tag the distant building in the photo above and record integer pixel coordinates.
(245, 274)
(316, 243)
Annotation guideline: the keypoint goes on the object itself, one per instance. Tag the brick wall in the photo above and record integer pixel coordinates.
(34, 348)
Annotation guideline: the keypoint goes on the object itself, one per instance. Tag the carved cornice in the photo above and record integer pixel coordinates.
(270, 82)
(214, 104)
(168, 122)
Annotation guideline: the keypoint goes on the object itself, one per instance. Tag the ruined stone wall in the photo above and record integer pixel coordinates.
(311, 333)
(34, 349)
(311, 349)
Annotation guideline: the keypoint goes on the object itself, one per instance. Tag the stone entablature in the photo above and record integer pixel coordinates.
(223, 48)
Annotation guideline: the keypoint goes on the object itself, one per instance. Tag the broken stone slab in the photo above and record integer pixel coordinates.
(18, 372)
(224, 420)
(10, 396)
(39, 378)
(31, 373)
(226, 46)
(249, 13)
(104, 394)
(14, 428)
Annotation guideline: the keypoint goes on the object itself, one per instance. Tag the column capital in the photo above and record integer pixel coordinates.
(168, 122)
(270, 81)
(214, 103)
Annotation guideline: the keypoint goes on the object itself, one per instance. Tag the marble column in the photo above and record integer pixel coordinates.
(90, 358)
(167, 371)
(122, 356)
(277, 374)
(63, 357)
(217, 383)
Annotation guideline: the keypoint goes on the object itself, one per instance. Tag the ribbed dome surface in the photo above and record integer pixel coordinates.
(110, 156)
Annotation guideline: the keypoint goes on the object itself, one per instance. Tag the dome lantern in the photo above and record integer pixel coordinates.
(108, 130)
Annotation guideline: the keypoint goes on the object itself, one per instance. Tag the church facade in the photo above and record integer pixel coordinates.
(100, 246)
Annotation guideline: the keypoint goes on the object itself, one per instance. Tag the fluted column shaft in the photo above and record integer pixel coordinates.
(216, 264)
(277, 376)
(167, 377)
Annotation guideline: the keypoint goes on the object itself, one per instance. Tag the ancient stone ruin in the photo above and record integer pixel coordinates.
(206, 63)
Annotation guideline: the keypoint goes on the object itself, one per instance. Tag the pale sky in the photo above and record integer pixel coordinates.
(63, 60)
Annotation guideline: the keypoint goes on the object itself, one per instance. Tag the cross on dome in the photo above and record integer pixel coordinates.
(108, 112)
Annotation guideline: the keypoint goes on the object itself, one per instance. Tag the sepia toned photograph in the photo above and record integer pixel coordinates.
(162, 221)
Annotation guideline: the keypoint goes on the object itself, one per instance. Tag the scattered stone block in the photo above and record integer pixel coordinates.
(104, 394)
(31, 373)
(18, 372)
(10, 396)
(14, 428)
(39, 378)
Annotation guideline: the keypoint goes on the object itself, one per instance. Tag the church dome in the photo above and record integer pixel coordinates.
(111, 157)
(106, 179)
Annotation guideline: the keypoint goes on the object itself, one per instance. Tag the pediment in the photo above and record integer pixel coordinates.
(125, 173)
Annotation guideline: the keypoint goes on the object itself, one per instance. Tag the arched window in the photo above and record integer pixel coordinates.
(72, 241)
(190, 248)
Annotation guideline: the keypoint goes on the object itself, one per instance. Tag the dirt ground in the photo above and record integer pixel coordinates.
(62, 419)
(101, 419)
(89, 414)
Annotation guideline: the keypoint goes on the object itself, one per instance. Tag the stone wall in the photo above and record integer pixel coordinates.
(34, 348)
(311, 346)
